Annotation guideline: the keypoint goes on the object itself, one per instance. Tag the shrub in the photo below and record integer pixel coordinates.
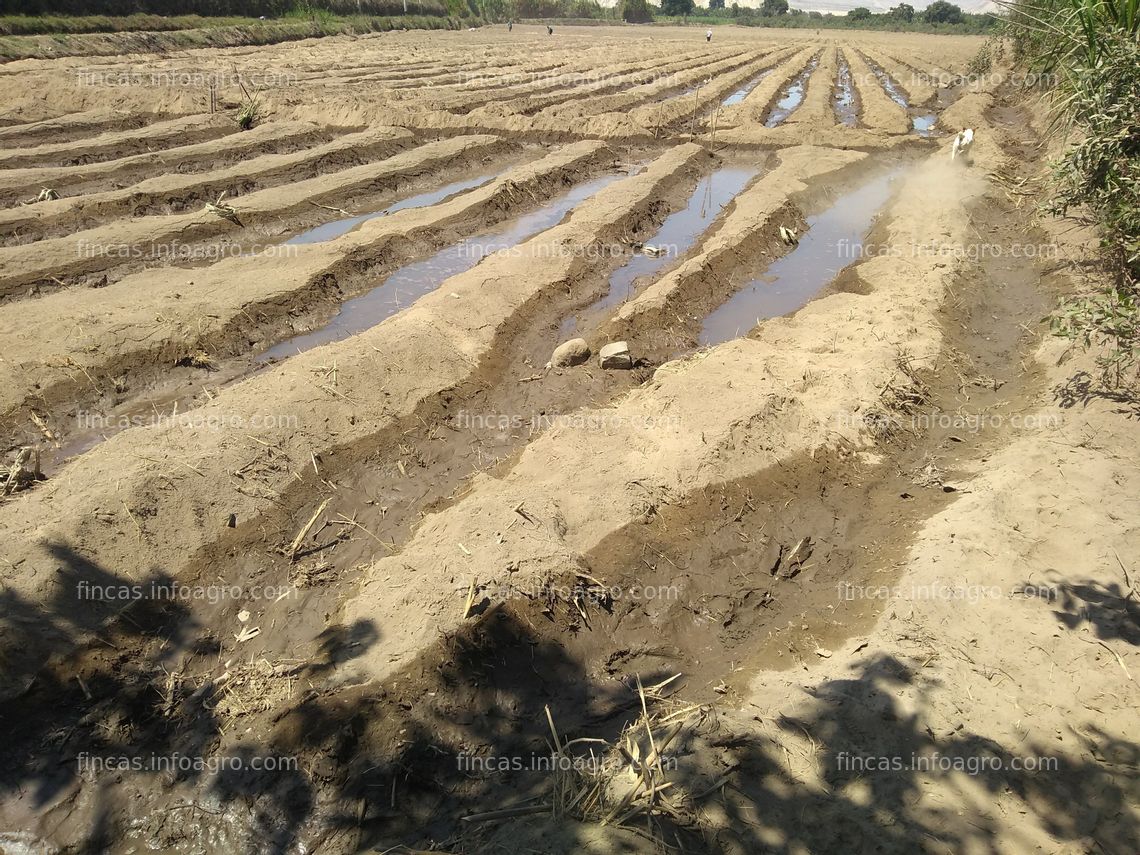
(1090, 48)
(636, 11)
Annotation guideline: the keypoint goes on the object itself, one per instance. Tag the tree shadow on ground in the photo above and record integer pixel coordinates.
(1111, 611)
(100, 725)
(402, 762)
(1082, 388)
(887, 779)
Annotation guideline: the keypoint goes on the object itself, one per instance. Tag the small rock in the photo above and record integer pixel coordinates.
(615, 355)
(231, 521)
(573, 352)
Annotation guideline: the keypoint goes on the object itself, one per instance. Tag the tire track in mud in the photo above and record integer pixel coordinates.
(241, 303)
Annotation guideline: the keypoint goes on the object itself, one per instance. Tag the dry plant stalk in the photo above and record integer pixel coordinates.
(589, 794)
(305, 530)
(24, 470)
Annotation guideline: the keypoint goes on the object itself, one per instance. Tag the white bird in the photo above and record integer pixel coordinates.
(962, 143)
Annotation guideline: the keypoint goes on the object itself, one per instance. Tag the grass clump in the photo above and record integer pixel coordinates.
(1090, 51)
(250, 111)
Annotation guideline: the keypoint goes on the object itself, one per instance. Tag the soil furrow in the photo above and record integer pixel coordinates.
(116, 249)
(427, 350)
(71, 127)
(152, 137)
(231, 307)
(878, 111)
(18, 185)
(174, 193)
(749, 231)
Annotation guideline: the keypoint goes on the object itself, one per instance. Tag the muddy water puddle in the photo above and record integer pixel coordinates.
(845, 102)
(743, 92)
(178, 394)
(922, 121)
(401, 289)
(888, 83)
(677, 235)
(792, 95)
(833, 240)
(336, 228)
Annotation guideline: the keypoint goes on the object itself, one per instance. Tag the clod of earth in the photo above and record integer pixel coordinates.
(572, 352)
(615, 355)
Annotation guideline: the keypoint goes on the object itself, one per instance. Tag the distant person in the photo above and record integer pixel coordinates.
(708, 35)
(510, 25)
(549, 30)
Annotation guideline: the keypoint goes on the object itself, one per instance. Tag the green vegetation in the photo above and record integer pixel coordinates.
(1090, 52)
(31, 17)
(637, 11)
(939, 17)
(221, 8)
(941, 12)
(249, 21)
(902, 12)
(250, 112)
(28, 25)
(53, 36)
